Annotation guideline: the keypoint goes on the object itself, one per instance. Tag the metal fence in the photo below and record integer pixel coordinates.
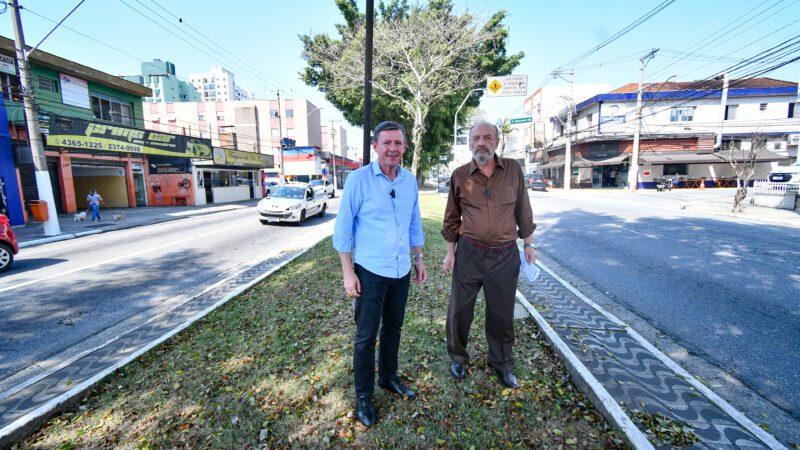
(764, 187)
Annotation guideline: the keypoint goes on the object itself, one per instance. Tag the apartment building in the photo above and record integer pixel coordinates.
(160, 77)
(218, 84)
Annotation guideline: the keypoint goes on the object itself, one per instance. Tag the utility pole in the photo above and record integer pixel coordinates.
(633, 172)
(333, 149)
(280, 134)
(723, 105)
(43, 185)
(370, 16)
(797, 114)
(568, 149)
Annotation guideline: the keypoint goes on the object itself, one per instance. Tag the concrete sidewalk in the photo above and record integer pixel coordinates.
(33, 233)
(758, 214)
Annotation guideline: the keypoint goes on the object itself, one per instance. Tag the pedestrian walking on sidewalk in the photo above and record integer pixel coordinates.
(377, 225)
(487, 209)
(94, 200)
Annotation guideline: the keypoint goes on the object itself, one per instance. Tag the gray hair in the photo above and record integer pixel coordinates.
(486, 122)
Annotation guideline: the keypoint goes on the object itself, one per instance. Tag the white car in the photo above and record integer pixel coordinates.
(324, 185)
(292, 202)
(786, 174)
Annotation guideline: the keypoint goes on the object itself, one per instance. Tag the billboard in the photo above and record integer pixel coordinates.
(102, 137)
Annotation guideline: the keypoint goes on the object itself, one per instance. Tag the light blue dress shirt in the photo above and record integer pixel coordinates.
(378, 229)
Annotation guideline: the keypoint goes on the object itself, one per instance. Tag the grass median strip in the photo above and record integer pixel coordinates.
(272, 369)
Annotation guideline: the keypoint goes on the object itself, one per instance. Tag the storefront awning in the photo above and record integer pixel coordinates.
(679, 158)
(555, 164)
(619, 159)
(762, 156)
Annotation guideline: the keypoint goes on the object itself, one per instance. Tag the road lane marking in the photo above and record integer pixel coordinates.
(125, 256)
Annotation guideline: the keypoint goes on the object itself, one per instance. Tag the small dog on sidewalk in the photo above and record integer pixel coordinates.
(80, 217)
(119, 217)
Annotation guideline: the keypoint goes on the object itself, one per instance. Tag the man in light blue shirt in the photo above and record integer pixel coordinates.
(378, 224)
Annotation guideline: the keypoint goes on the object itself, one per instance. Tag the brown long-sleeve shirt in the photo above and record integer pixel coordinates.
(492, 210)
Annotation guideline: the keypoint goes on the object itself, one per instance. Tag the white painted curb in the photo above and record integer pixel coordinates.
(604, 402)
(734, 413)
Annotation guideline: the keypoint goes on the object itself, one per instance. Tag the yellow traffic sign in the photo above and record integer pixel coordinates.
(495, 86)
(507, 86)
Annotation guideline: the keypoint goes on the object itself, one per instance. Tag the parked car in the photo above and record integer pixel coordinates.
(292, 202)
(8, 244)
(270, 185)
(786, 174)
(325, 186)
(535, 181)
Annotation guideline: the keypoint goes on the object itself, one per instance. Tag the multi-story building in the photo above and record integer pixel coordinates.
(218, 85)
(684, 127)
(71, 97)
(545, 103)
(160, 77)
(250, 125)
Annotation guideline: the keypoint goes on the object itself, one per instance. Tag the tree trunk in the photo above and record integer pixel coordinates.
(416, 140)
(741, 194)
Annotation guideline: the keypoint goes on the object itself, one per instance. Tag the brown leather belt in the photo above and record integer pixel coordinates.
(488, 248)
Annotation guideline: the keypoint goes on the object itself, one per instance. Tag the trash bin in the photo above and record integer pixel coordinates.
(39, 209)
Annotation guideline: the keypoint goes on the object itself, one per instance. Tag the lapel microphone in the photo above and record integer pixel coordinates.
(487, 193)
(392, 193)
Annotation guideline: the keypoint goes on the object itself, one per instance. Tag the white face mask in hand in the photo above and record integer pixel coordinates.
(531, 271)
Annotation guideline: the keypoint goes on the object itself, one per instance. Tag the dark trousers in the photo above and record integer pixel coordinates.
(498, 274)
(382, 300)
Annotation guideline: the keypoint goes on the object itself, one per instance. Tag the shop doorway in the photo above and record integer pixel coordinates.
(207, 183)
(52, 170)
(609, 176)
(109, 180)
(139, 187)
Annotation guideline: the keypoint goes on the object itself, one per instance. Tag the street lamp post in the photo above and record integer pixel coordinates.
(455, 117)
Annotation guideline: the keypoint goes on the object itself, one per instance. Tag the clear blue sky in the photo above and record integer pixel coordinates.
(264, 35)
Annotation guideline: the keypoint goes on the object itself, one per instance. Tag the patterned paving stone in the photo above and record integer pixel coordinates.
(630, 372)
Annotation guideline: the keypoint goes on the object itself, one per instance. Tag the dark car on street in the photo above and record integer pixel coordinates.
(535, 182)
(8, 244)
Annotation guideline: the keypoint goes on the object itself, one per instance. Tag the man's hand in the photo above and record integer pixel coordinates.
(351, 284)
(530, 255)
(449, 262)
(421, 275)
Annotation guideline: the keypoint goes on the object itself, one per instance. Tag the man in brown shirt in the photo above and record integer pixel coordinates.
(487, 209)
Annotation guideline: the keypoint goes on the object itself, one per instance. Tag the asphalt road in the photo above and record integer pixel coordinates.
(67, 297)
(728, 291)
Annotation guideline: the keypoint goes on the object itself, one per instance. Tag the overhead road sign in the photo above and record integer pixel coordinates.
(521, 120)
(507, 86)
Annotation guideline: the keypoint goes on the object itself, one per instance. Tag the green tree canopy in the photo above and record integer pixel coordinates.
(426, 59)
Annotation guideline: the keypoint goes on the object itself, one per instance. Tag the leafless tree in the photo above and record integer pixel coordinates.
(417, 61)
(743, 163)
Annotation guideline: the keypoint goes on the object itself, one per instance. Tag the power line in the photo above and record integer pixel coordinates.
(214, 43)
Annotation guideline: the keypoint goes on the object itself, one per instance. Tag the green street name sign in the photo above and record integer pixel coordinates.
(521, 120)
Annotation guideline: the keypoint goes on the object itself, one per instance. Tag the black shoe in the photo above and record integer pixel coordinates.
(508, 379)
(366, 411)
(458, 370)
(398, 388)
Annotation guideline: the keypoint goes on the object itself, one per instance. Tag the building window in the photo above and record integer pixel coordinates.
(111, 109)
(289, 113)
(794, 111)
(589, 120)
(675, 169)
(220, 116)
(46, 84)
(731, 112)
(681, 114)
(778, 145)
(762, 107)
(10, 86)
(273, 113)
(201, 117)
